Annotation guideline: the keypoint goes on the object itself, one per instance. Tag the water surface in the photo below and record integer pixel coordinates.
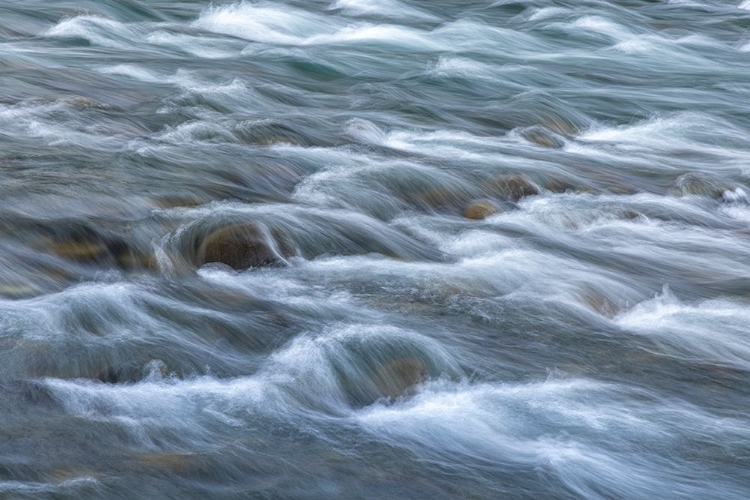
(509, 249)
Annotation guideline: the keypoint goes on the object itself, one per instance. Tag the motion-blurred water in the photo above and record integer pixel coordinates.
(507, 249)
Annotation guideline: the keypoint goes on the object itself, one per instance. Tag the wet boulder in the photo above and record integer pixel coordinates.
(85, 244)
(600, 303)
(17, 290)
(386, 380)
(82, 103)
(245, 245)
(512, 187)
(543, 137)
(556, 184)
(76, 241)
(707, 185)
(400, 377)
(438, 198)
(128, 373)
(632, 215)
(562, 126)
(481, 209)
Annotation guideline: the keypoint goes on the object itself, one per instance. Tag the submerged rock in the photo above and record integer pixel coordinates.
(398, 378)
(188, 200)
(274, 140)
(17, 290)
(245, 245)
(81, 102)
(543, 137)
(562, 126)
(708, 185)
(560, 185)
(85, 245)
(632, 215)
(598, 302)
(119, 374)
(481, 209)
(79, 250)
(440, 198)
(512, 187)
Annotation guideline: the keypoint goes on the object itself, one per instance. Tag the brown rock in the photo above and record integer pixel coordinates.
(543, 137)
(632, 215)
(244, 245)
(438, 198)
(81, 102)
(78, 250)
(561, 126)
(16, 290)
(702, 184)
(185, 201)
(481, 209)
(601, 304)
(398, 377)
(513, 187)
(87, 245)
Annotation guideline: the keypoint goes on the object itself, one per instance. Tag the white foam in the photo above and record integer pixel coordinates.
(440, 143)
(598, 24)
(636, 133)
(274, 24)
(56, 124)
(266, 23)
(710, 330)
(97, 30)
(364, 131)
(685, 130)
(135, 72)
(186, 80)
(192, 131)
(700, 40)
(182, 406)
(304, 374)
(540, 14)
(687, 3)
(739, 211)
(476, 243)
(382, 34)
(502, 422)
(234, 87)
(744, 5)
(735, 195)
(636, 45)
(459, 66)
(382, 8)
(474, 36)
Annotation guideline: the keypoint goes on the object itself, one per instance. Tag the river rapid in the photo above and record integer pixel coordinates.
(375, 249)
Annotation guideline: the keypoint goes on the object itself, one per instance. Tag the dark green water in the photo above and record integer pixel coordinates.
(496, 249)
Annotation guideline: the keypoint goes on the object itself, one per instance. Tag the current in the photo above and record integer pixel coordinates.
(377, 249)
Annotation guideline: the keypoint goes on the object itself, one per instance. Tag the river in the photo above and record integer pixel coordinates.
(375, 249)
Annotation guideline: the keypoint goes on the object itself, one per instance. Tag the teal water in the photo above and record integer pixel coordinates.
(501, 249)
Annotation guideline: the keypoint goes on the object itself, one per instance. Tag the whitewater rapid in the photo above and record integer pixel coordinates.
(504, 249)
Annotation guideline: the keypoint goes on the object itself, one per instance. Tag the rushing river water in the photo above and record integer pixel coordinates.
(375, 249)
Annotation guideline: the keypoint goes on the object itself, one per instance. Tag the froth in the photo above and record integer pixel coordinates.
(267, 23)
(95, 29)
(382, 8)
(711, 330)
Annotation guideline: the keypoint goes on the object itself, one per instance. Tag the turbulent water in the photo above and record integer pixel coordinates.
(497, 249)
